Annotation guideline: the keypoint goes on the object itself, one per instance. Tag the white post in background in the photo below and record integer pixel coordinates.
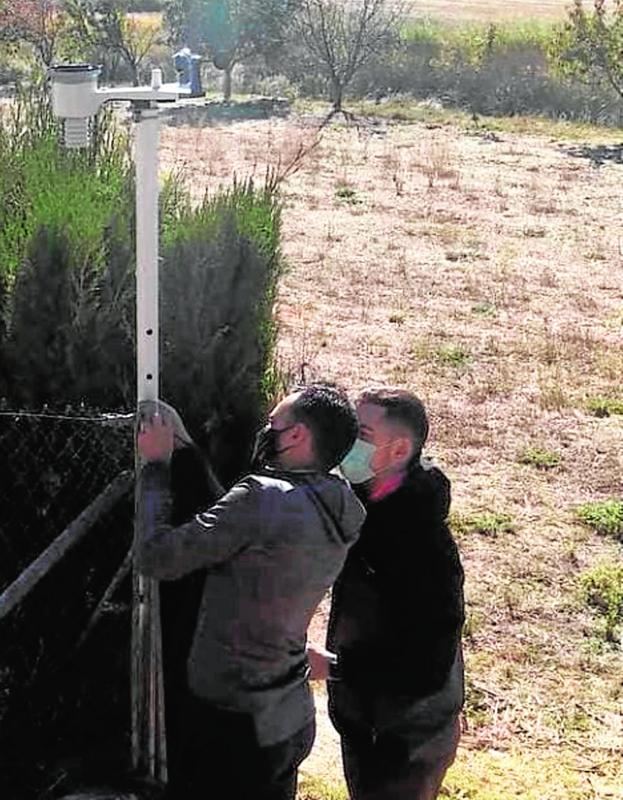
(148, 731)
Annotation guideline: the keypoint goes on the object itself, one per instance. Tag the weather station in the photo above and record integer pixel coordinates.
(76, 100)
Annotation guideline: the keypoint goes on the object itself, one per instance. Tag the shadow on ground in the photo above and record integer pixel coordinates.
(597, 154)
(205, 112)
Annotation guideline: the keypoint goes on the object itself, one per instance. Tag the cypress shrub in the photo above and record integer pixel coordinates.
(217, 297)
(67, 267)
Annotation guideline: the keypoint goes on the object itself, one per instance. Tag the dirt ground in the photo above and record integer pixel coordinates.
(483, 271)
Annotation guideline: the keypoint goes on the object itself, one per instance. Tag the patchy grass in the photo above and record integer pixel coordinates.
(406, 110)
(318, 787)
(453, 355)
(484, 309)
(495, 774)
(603, 516)
(539, 458)
(347, 194)
(604, 406)
(602, 588)
(487, 523)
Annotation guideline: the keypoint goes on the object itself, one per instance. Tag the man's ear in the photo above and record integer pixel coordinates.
(402, 450)
(301, 432)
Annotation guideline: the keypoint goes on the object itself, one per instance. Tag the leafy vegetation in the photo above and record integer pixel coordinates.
(602, 588)
(589, 45)
(486, 523)
(454, 355)
(604, 406)
(67, 284)
(604, 516)
(308, 48)
(230, 31)
(347, 194)
(539, 458)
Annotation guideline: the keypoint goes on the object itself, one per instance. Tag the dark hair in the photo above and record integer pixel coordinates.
(402, 407)
(331, 418)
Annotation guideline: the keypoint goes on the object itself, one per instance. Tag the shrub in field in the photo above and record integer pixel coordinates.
(601, 406)
(602, 588)
(487, 523)
(539, 457)
(453, 355)
(604, 516)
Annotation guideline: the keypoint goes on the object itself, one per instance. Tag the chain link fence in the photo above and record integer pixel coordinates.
(66, 528)
(66, 503)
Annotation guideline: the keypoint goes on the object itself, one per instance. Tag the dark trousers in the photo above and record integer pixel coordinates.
(386, 768)
(220, 757)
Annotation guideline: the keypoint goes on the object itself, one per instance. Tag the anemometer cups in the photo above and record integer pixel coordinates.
(75, 99)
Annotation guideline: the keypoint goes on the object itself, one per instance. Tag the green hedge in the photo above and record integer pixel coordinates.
(67, 284)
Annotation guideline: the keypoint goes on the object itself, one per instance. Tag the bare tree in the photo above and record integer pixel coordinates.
(341, 36)
(230, 31)
(41, 23)
(109, 24)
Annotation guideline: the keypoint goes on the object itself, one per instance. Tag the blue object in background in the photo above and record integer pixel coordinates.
(187, 66)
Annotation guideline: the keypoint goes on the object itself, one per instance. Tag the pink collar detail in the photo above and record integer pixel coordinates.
(387, 486)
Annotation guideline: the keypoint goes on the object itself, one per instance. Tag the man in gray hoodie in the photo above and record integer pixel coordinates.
(272, 547)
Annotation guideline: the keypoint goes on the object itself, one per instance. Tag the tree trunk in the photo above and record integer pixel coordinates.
(337, 91)
(227, 80)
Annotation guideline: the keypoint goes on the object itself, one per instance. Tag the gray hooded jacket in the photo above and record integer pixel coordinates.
(272, 546)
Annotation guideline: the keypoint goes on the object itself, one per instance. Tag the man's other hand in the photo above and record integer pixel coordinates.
(319, 662)
(155, 439)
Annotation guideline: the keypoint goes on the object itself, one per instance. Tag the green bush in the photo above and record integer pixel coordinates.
(67, 276)
(44, 186)
(602, 588)
(601, 406)
(494, 69)
(487, 523)
(539, 457)
(217, 314)
(604, 516)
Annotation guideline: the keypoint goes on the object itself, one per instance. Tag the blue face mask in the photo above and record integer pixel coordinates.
(356, 465)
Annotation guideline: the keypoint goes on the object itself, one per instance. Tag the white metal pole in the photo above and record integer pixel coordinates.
(148, 736)
(146, 158)
(75, 98)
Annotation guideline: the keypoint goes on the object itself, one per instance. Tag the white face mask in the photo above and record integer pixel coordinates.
(356, 466)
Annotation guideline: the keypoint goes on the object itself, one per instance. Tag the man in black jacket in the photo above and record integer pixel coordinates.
(271, 546)
(394, 661)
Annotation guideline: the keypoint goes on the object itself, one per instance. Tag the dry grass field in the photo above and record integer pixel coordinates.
(489, 10)
(483, 270)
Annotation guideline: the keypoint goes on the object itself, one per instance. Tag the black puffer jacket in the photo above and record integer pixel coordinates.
(397, 614)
